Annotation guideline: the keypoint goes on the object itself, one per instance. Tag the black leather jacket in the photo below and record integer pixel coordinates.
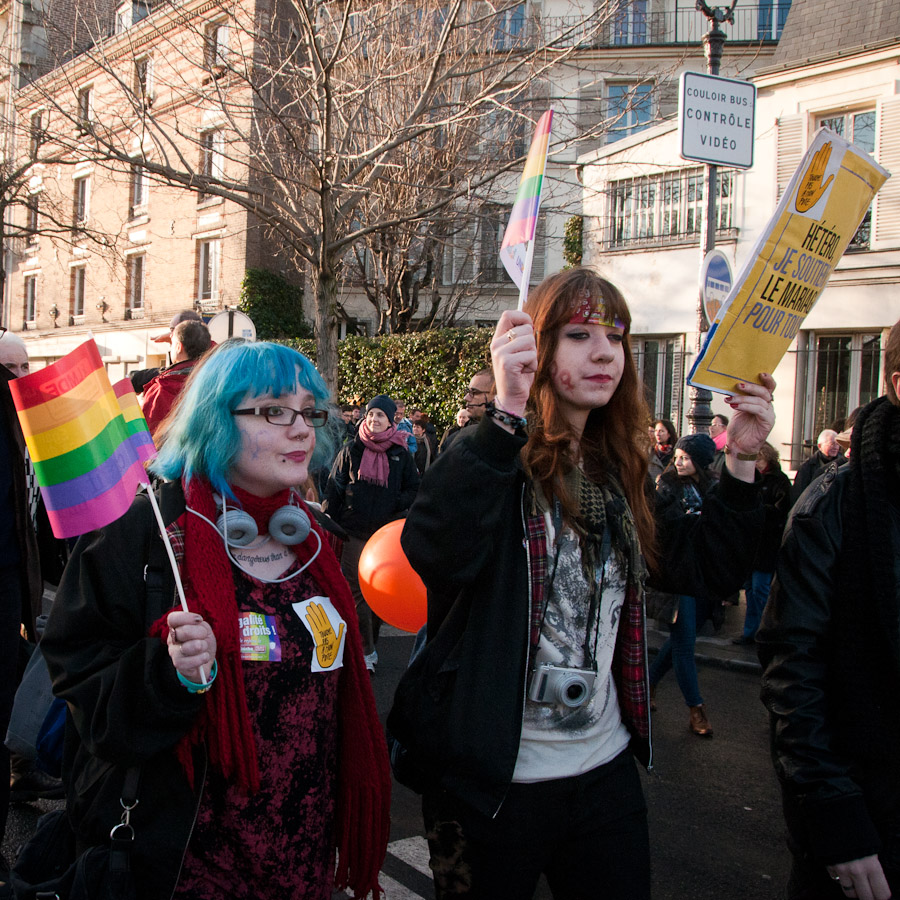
(831, 678)
(458, 708)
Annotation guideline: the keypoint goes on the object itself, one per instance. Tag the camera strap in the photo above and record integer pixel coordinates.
(596, 592)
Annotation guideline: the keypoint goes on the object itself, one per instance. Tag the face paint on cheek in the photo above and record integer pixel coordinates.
(565, 379)
(252, 446)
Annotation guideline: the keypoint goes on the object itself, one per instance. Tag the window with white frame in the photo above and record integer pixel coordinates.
(134, 282)
(212, 157)
(859, 129)
(666, 208)
(209, 261)
(85, 109)
(130, 13)
(630, 23)
(30, 297)
(32, 219)
(216, 45)
(36, 133)
(509, 29)
(771, 16)
(76, 301)
(629, 109)
(140, 189)
(81, 200)
(660, 365)
(839, 372)
(143, 78)
(472, 250)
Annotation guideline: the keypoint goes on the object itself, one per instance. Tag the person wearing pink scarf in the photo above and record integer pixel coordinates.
(372, 482)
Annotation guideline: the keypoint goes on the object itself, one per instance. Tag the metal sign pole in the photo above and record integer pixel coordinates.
(700, 412)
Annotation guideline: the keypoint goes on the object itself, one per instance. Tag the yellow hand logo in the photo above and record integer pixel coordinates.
(327, 643)
(811, 187)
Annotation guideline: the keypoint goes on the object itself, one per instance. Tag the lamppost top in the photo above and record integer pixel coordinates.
(717, 14)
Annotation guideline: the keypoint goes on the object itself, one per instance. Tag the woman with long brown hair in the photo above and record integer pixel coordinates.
(531, 535)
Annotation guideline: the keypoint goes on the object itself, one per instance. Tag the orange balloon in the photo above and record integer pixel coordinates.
(393, 590)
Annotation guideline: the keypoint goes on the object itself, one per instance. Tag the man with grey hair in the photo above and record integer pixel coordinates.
(14, 354)
(828, 451)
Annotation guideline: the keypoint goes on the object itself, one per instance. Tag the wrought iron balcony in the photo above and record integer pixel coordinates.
(633, 26)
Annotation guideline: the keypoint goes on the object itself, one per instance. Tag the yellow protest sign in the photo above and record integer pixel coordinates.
(790, 263)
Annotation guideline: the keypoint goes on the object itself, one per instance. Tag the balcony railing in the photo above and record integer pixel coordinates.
(633, 26)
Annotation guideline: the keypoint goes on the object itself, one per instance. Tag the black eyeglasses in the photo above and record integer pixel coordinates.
(472, 392)
(284, 415)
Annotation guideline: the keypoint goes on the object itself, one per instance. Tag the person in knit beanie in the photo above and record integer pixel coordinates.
(699, 447)
(371, 483)
(247, 707)
(687, 481)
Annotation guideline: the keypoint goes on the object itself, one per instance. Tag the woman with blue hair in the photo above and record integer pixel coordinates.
(250, 713)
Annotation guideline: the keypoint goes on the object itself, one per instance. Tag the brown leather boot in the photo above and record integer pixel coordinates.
(699, 724)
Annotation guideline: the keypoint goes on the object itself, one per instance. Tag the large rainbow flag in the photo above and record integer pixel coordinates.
(522, 223)
(88, 440)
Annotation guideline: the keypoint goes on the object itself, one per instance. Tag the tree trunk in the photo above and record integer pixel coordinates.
(325, 291)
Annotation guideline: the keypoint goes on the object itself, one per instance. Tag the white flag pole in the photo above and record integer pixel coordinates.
(526, 271)
(529, 253)
(171, 553)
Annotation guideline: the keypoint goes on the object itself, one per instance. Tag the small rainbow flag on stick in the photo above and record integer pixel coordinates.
(522, 223)
(88, 440)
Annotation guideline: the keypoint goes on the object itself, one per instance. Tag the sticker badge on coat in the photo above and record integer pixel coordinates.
(259, 638)
(327, 628)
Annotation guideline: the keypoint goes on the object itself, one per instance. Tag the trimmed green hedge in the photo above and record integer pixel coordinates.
(274, 305)
(429, 370)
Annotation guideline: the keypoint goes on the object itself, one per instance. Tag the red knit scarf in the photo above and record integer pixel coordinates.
(374, 465)
(362, 813)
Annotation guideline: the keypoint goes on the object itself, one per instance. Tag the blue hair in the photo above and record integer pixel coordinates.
(203, 439)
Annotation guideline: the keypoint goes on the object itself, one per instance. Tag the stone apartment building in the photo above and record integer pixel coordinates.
(105, 247)
(837, 65)
(110, 248)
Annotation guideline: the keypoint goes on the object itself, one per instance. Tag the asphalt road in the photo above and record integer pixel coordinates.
(715, 818)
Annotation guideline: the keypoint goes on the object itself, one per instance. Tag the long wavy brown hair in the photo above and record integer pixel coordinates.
(615, 439)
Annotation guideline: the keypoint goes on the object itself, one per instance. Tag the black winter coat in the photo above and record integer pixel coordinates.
(125, 701)
(360, 507)
(458, 709)
(775, 487)
(829, 644)
(810, 470)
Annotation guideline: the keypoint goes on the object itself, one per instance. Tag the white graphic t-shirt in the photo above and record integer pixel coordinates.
(558, 741)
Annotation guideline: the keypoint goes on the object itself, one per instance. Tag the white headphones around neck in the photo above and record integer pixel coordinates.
(289, 525)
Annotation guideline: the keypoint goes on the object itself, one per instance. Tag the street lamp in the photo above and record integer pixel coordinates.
(700, 411)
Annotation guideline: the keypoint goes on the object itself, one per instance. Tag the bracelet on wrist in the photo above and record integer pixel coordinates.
(507, 418)
(195, 688)
(746, 457)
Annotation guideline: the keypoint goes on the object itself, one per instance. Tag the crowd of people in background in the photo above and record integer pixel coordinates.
(381, 460)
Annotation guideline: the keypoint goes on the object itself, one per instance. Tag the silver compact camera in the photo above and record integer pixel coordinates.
(557, 684)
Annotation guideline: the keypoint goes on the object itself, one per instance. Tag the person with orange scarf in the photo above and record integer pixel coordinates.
(263, 766)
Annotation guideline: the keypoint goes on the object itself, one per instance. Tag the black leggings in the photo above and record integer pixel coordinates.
(587, 834)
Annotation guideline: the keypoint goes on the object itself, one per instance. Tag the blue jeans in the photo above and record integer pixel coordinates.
(757, 591)
(678, 653)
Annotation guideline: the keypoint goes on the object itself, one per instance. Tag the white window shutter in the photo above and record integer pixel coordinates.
(791, 142)
(677, 376)
(886, 213)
